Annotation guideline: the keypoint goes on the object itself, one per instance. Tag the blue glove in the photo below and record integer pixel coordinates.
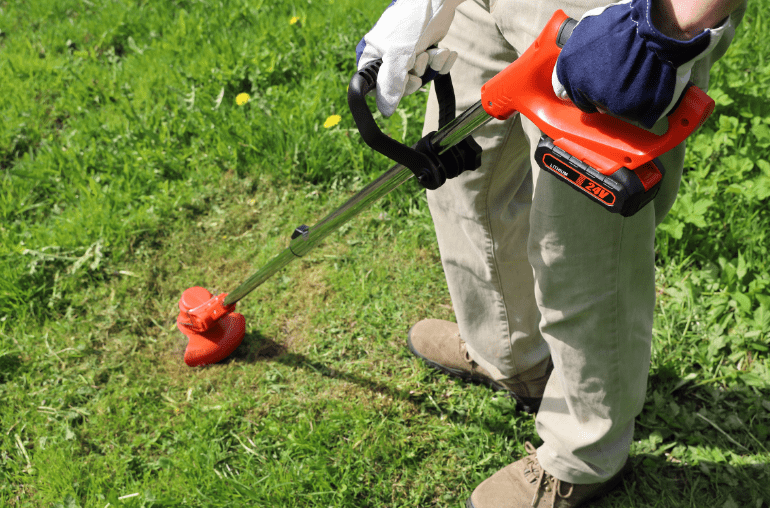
(403, 38)
(616, 61)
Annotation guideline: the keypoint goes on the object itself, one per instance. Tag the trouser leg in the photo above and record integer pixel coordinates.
(595, 289)
(587, 275)
(482, 218)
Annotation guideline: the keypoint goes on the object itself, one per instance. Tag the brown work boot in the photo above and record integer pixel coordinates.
(439, 345)
(524, 484)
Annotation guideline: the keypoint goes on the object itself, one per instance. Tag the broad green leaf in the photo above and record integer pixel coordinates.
(744, 302)
(702, 205)
(728, 271)
(742, 267)
(762, 133)
(715, 344)
(673, 228)
(764, 166)
(752, 379)
(762, 318)
(720, 97)
(762, 188)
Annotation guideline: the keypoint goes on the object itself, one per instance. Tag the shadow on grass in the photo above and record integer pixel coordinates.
(258, 348)
(654, 481)
(698, 446)
(10, 365)
(733, 419)
(683, 416)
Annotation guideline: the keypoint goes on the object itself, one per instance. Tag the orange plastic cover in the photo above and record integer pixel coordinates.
(602, 141)
(217, 342)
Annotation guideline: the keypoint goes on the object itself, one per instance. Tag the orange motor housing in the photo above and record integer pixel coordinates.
(601, 142)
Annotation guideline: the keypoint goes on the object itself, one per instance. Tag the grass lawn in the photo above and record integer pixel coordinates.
(129, 173)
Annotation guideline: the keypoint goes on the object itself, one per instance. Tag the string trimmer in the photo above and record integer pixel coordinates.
(610, 161)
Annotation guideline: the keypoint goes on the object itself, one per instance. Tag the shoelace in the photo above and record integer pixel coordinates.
(543, 478)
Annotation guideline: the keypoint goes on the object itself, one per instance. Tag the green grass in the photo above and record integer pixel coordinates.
(130, 174)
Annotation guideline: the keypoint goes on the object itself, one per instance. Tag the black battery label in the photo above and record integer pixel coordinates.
(560, 168)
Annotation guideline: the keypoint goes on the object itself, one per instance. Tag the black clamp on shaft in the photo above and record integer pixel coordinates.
(431, 169)
(302, 231)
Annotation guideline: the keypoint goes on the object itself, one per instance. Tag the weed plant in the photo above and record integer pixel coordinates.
(129, 173)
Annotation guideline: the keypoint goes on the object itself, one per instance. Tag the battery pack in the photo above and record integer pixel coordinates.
(625, 191)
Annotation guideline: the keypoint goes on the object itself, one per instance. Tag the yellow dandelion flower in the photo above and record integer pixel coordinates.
(294, 20)
(332, 121)
(242, 98)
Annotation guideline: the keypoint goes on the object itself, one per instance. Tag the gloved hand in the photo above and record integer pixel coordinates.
(618, 62)
(402, 38)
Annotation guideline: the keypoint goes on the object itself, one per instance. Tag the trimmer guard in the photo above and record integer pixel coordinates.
(223, 335)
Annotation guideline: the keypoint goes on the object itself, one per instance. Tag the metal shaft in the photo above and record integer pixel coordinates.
(445, 138)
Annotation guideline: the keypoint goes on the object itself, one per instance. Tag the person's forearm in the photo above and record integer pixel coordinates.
(684, 19)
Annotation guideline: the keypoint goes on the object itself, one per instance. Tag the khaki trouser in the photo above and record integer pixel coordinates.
(536, 269)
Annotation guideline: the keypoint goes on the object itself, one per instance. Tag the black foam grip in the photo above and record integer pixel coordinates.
(365, 81)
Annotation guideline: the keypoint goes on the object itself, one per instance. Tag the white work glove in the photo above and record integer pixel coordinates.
(402, 38)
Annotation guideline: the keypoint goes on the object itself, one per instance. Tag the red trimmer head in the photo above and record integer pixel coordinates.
(213, 329)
